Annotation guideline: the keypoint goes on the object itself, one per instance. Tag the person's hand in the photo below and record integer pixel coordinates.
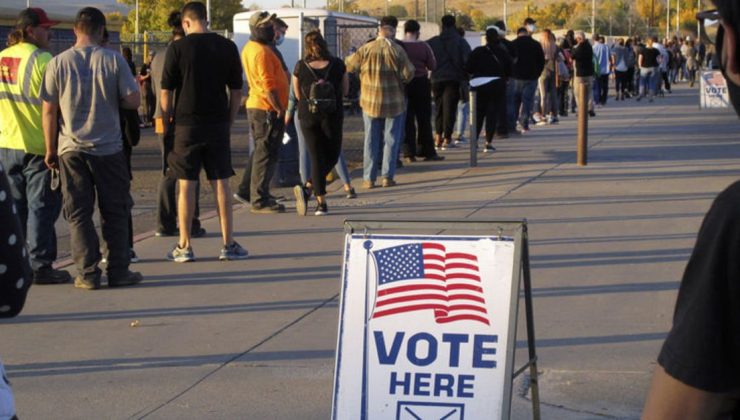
(51, 159)
(288, 119)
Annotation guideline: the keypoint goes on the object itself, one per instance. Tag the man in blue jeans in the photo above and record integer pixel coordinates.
(384, 70)
(523, 83)
(22, 148)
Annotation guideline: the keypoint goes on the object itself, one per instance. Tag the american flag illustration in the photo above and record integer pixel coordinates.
(424, 276)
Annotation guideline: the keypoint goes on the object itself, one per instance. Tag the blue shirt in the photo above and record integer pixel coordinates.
(601, 55)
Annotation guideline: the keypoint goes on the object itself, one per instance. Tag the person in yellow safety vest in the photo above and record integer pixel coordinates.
(22, 147)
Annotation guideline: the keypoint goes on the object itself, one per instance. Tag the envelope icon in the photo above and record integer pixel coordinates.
(409, 410)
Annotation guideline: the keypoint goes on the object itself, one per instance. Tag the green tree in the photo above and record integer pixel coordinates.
(153, 15)
(398, 11)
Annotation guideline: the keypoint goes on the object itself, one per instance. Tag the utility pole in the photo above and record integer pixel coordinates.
(667, 19)
(678, 18)
(136, 23)
(652, 16)
(593, 17)
(208, 12)
(506, 14)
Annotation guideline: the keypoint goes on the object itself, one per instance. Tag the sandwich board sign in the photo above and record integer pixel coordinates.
(714, 93)
(427, 327)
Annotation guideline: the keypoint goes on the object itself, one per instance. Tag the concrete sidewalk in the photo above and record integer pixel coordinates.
(255, 339)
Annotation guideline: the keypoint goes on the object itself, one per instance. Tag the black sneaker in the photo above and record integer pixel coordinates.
(488, 148)
(268, 208)
(87, 284)
(198, 232)
(128, 279)
(321, 210)
(132, 256)
(434, 157)
(351, 193)
(240, 198)
(51, 276)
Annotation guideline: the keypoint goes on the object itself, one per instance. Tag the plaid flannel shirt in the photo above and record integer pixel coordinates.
(384, 71)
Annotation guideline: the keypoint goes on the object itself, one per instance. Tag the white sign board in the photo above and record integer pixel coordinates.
(426, 328)
(714, 92)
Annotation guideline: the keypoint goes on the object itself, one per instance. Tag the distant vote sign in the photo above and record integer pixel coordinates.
(714, 93)
(425, 328)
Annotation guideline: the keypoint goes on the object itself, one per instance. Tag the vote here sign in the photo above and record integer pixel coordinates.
(424, 330)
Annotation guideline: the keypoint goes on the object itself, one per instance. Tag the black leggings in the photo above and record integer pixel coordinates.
(491, 106)
(621, 81)
(323, 137)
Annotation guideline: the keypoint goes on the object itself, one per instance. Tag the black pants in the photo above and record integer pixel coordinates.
(603, 88)
(621, 78)
(323, 136)
(84, 177)
(491, 107)
(446, 95)
(666, 82)
(267, 130)
(630, 79)
(419, 119)
(166, 202)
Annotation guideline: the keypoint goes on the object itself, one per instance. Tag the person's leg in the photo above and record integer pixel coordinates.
(373, 137)
(501, 128)
(511, 107)
(604, 88)
(78, 200)
(268, 134)
(530, 86)
(424, 119)
(13, 163)
(313, 137)
(451, 98)
(343, 171)
(304, 162)
(185, 210)
(392, 128)
(113, 189)
(222, 191)
(438, 90)
(166, 204)
(412, 101)
(481, 105)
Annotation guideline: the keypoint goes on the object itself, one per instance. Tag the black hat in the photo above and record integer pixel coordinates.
(529, 21)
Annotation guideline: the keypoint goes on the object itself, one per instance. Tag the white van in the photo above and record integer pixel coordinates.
(343, 32)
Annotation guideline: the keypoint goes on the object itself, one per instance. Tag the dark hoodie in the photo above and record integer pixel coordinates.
(451, 52)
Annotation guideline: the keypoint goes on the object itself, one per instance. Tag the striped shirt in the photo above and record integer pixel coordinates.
(384, 69)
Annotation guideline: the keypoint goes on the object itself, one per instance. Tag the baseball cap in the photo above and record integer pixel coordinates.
(261, 18)
(34, 16)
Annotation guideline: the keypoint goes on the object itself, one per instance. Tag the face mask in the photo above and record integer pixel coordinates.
(732, 89)
(531, 28)
(280, 40)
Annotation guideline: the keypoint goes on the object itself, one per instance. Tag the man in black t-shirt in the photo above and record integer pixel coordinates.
(200, 67)
(698, 376)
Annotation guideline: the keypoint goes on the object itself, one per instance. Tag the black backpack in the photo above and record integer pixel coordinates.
(322, 97)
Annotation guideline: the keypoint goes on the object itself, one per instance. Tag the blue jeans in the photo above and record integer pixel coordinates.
(521, 97)
(304, 163)
(386, 132)
(38, 206)
(648, 80)
(461, 124)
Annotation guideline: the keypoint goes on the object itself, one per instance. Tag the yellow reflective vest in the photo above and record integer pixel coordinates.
(21, 72)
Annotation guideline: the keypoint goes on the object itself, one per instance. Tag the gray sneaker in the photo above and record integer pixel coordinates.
(233, 251)
(181, 255)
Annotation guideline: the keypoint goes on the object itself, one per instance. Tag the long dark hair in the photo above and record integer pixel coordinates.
(315, 47)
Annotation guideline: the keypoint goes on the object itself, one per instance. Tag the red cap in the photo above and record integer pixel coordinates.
(35, 16)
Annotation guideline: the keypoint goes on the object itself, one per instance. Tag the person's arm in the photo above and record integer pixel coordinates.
(235, 101)
(639, 61)
(49, 113)
(431, 61)
(296, 88)
(345, 84)
(165, 99)
(670, 398)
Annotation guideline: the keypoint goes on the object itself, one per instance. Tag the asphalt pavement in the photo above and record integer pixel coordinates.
(255, 339)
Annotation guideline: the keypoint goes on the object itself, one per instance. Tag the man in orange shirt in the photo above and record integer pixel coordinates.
(266, 105)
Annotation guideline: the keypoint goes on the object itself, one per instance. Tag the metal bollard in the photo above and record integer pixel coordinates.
(582, 158)
(473, 132)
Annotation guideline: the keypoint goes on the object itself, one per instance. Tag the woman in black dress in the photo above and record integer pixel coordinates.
(321, 128)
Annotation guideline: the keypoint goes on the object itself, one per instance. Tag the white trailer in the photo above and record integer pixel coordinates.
(342, 31)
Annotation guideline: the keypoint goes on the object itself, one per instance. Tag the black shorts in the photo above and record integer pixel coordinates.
(201, 146)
